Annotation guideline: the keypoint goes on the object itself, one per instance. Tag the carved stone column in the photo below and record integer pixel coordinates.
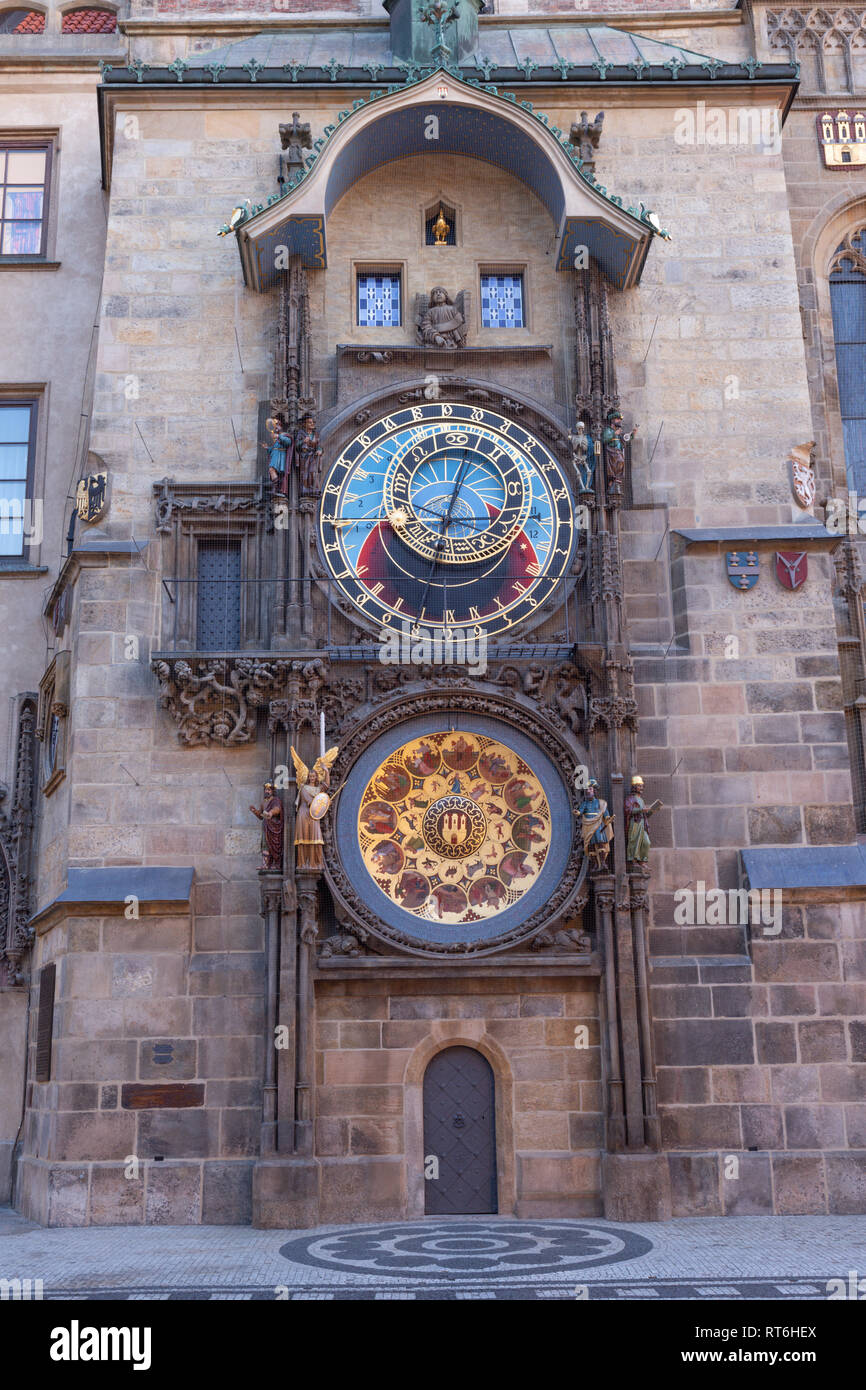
(603, 888)
(308, 905)
(639, 879)
(272, 888)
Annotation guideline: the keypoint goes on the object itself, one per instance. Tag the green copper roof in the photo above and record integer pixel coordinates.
(567, 52)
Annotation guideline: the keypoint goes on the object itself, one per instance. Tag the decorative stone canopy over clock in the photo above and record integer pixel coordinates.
(449, 835)
(447, 514)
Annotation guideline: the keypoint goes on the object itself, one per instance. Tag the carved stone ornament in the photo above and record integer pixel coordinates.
(440, 320)
(450, 702)
(216, 499)
(16, 830)
(217, 700)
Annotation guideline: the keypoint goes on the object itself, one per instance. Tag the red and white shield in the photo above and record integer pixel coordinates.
(803, 484)
(792, 566)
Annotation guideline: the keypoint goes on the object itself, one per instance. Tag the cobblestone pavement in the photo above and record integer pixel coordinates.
(772, 1257)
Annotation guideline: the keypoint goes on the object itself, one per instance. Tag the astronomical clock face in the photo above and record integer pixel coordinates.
(447, 515)
(452, 829)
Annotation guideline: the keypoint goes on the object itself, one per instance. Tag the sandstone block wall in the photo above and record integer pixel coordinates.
(374, 1039)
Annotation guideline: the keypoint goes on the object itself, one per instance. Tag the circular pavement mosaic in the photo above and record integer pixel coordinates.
(455, 1248)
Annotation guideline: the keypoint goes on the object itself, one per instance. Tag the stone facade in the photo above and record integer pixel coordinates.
(634, 1058)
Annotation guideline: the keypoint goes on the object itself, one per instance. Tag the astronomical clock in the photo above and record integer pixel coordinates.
(445, 515)
(447, 835)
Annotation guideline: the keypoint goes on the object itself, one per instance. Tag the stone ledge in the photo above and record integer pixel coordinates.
(806, 866)
(159, 891)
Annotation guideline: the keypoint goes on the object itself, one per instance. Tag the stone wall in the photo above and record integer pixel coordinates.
(762, 1058)
(153, 1110)
(374, 1039)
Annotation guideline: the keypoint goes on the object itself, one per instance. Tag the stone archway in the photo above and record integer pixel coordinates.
(465, 1033)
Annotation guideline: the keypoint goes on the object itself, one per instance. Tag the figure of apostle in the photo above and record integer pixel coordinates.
(614, 450)
(280, 453)
(308, 452)
(637, 814)
(270, 813)
(311, 805)
(596, 826)
(442, 324)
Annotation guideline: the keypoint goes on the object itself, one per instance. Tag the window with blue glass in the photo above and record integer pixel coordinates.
(502, 301)
(17, 432)
(848, 302)
(378, 299)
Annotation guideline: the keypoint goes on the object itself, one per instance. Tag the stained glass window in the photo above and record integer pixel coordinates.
(848, 301)
(16, 433)
(22, 200)
(378, 299)
(502, 301)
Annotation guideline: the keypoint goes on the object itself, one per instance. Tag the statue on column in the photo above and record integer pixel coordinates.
(637, 814)
(311, 807)
(270, 813)
(614, 451)
(596, 826)
(583, 456)
(308, 451)
(280, 454)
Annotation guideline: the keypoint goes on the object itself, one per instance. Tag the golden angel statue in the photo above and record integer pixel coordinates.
(311, 806)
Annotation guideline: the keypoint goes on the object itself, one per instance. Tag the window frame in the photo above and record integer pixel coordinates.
(18, 143)
(16, 403)
(53, 711)
(395, 268)
(512, 268)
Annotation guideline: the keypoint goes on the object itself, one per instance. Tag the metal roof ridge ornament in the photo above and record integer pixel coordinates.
(178, 67)
(436, 14)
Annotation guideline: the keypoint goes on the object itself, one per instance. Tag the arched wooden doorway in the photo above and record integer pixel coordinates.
(460, 1134)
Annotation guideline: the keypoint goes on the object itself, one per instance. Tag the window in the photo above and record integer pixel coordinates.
(22, 22)
(17, 435)
(848, 303)
(433, 230)
(51, 721)
(379, 299)
(89, 21)
(502, 301)
(23, 191)
(219, 595)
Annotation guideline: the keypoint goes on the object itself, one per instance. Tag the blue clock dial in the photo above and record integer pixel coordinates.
(447, 514)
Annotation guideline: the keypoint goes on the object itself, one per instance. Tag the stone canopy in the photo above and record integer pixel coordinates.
(469, 119)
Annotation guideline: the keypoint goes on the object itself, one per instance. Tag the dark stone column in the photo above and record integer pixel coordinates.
(308, 902)
(639, 879)
(272, 887)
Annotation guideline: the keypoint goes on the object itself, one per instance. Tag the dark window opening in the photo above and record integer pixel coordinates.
(219, 595)
(430, 230)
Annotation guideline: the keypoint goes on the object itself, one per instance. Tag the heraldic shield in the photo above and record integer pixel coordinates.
(743, 569)
(792, 566)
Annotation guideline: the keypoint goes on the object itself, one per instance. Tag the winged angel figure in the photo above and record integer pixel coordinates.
(311, 806)
(440, 320)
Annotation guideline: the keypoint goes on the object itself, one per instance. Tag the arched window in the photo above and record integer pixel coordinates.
(848, 303)
(89, 20)
(22, 21)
